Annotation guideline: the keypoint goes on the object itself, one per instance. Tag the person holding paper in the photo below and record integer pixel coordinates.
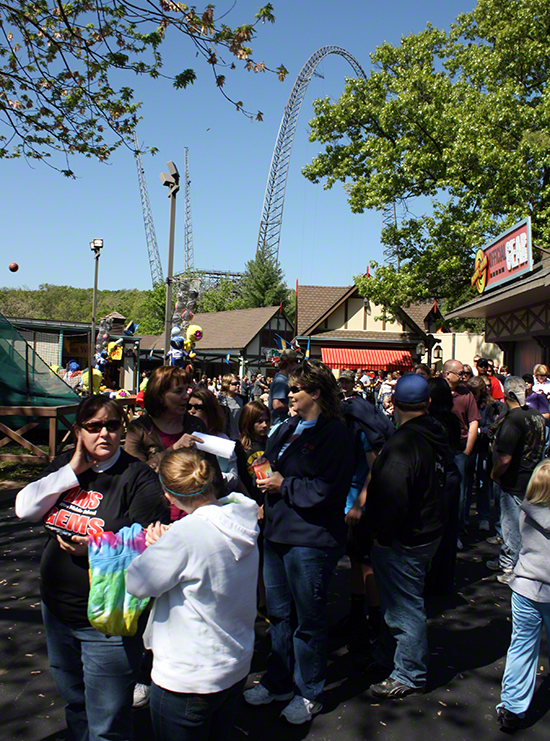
(167, 425)
(204, 406)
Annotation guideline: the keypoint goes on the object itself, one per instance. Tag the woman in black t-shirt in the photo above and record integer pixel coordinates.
(96, 488)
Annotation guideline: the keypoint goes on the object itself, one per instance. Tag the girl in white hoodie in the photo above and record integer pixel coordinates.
(202, 570)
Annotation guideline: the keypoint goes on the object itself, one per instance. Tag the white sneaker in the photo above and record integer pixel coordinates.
(260, 695)
(301, 710)
(141, 695)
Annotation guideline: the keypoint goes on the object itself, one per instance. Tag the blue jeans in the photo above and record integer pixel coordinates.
(185, 716)
(518, 683)
(296, 584)
(509, 520)
(403, 642)
(95, 674)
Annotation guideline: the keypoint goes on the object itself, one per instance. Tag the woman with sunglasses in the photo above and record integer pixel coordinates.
(204, 406)
(311, 455)
(232, 404)
(97, 487)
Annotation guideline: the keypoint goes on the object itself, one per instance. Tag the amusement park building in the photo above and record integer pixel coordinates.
(348, 331)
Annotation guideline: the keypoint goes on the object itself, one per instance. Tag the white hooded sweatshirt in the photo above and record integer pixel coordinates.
(203, 572)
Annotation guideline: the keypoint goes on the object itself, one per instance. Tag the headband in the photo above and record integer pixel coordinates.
(177, 494)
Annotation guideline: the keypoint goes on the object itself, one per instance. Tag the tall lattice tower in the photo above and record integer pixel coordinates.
(391, 216)
(155, 264)
(189, 258)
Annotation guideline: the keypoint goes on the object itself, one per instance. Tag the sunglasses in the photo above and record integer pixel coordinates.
(234, 383)
(111, 425)
(296, 389)
(195, 406)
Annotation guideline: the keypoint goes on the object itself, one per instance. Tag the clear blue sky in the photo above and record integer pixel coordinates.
(48, 221)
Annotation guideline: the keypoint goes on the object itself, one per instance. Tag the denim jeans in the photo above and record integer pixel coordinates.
(511, 537)
(296, 583)
(518, 683)
(403, 642)
(184, 716)
(95, 674)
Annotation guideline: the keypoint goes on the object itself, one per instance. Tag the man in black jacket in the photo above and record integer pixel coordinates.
(407, 511)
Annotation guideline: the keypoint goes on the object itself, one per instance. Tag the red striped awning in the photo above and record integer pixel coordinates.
(367, 359)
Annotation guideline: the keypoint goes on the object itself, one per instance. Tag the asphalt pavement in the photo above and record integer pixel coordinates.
(469, 636)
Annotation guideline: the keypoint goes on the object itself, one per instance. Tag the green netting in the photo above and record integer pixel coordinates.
(25, 379)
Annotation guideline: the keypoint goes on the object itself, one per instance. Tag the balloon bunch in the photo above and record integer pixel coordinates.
(184, 334)
(186, 304)
(102, 342)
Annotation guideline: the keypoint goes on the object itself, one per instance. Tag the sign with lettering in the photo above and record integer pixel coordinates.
(505, 257)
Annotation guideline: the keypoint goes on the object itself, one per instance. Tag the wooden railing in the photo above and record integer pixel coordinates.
(35, 416)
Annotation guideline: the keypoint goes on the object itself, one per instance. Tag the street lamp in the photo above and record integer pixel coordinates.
(96, 246)
(171, 179)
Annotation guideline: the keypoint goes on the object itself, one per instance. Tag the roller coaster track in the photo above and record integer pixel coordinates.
(274, 199)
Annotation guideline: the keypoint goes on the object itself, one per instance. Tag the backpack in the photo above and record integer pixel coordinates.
(361, 416)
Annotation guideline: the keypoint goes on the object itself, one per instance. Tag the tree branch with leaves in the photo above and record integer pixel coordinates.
(59, 62)
(460, 117)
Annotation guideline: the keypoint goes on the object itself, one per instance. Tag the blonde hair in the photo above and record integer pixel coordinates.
(540, 370)
(183, 473)
(538, 489)
(226, 381)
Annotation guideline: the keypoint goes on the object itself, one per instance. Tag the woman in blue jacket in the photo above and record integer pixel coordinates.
(311, 455)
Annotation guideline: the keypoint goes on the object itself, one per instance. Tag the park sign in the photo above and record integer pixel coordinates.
(505, 257)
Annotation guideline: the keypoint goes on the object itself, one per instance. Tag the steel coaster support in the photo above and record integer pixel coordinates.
(189, 255)
(272, 215)
(155, 264)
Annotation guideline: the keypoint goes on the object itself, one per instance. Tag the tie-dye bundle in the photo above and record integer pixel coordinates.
(111, 609)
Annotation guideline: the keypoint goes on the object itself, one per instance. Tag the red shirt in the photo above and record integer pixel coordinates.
(465, 408)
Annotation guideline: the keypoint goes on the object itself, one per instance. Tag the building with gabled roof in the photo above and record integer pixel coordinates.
(348, 331)
(247, 335)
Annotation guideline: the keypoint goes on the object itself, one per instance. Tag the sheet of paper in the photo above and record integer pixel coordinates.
(216, 445)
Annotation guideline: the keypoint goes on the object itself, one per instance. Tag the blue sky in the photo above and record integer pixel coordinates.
(48, 221)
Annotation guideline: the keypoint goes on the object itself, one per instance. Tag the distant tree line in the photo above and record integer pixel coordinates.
(262, 285)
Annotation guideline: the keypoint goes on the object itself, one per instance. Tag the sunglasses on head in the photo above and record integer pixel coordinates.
(111, 425)
(195, 406)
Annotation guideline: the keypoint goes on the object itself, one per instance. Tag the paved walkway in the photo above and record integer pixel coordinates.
(469, 636)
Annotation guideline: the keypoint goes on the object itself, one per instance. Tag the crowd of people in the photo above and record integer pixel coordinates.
(391, 468)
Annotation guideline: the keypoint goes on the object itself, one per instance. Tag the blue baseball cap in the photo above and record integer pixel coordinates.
(411, 388)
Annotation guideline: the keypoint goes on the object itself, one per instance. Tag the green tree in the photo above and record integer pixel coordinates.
(461, 117)
(60, 88)
(225, 296)
(263, 283)
(153, 310)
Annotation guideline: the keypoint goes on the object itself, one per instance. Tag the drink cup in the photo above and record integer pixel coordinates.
(262, 468)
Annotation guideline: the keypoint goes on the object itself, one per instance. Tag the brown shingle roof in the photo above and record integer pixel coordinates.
(223, 330)
(357, 334)
(418, 313)
(314, 301)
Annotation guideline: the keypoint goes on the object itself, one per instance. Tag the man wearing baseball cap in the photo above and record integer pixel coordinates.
(407, 509)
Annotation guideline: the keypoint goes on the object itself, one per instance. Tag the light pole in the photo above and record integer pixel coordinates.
(96, 246)
(171, 180)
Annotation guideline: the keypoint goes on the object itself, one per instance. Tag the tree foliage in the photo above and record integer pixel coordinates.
(461, 117)
(60, 88)
(263, 283)
(225, 296)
